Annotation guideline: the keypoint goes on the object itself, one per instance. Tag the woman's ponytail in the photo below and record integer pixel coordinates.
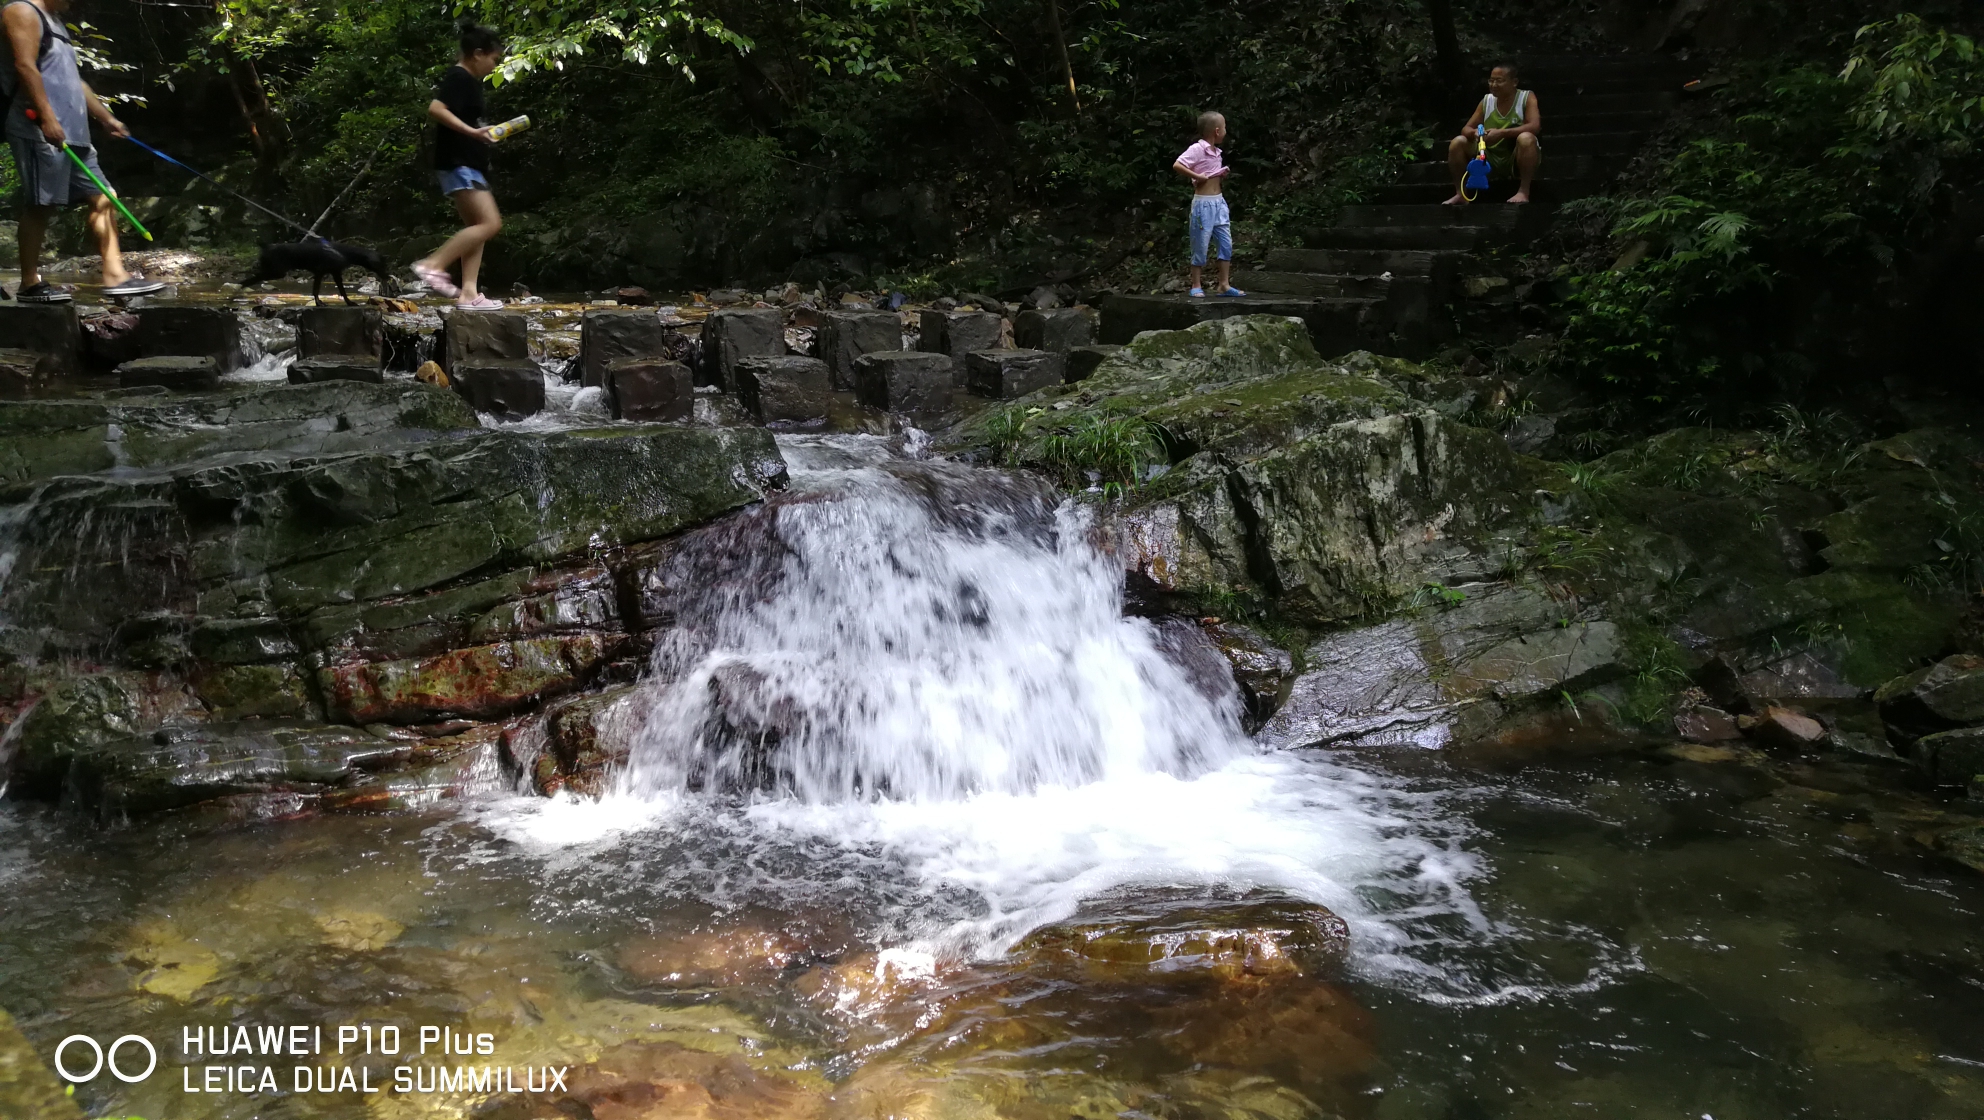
(477, 39)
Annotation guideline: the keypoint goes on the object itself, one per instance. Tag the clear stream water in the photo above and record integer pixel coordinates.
(974, 743)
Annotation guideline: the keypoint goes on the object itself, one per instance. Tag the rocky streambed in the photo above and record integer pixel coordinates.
(1328, 757)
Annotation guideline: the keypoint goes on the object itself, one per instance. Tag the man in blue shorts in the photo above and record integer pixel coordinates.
(49, 105)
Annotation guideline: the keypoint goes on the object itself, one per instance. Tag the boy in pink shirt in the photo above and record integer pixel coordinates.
(1212, 223)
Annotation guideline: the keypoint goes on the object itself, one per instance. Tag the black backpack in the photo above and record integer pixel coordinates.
(9, 81)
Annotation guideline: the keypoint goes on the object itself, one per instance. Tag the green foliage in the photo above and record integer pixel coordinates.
(1923, 87)
(1810, 174)
(933, 141)
(1005, 432)
(1236, 603)
(1593, 481)
(1110, 454)
(1960, 540)
(1435, 594)
(1659, 674)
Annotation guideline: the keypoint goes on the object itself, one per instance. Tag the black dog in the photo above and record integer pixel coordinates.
(319, 259)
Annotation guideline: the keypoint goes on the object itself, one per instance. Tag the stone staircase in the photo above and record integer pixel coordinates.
(1384, 276)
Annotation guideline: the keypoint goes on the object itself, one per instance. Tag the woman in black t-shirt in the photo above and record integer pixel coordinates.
(461, 162)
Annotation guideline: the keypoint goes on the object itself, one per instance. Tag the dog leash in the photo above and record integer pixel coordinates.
(376, 149)
(307, 232)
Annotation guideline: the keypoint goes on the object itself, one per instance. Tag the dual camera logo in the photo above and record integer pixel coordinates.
(104, 1058)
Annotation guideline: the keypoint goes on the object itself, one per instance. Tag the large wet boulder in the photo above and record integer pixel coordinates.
(1324, 485)
(1948, 694)
(50, 332)
(1447, 674)
(282, 539)
(41, 439)
(179, 766)
(82, 714)
(359, 553)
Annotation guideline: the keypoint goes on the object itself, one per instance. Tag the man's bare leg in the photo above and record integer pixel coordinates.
(1457, 161)
(1198, 276)
(1225, 276)
(1529, 156)
(103, 227)
(34, 227)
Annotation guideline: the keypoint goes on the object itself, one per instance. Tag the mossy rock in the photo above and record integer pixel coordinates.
(28, 1088)
(280, 538)
(1258, 939)
(43, 439)
(1323, 484)
(182, 766)
(273, 691)
(74, 716)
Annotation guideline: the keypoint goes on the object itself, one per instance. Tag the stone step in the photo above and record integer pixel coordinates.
(1394, 237)
(1545, 189)
(1365, 262)
(1336, 326)
(1312, 285)
(1601, 144)
(1557, 166)
(1651, 99)
(1479, 217)
(1572, 122)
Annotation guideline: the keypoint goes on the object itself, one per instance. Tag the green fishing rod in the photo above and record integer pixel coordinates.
(102, 187)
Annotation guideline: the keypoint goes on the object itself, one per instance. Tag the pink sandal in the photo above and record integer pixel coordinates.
(480, 303)
(435, 279)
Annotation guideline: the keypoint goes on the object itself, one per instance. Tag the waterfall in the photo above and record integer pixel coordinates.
(916, 631)
(909, 688)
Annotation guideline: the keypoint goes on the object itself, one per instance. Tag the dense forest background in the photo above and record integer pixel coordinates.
(1806, 215)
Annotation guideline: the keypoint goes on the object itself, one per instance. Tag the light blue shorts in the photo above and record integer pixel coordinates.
(461, 179)
(1212, 225)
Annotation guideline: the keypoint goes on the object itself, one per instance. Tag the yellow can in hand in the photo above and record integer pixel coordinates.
(508, 128)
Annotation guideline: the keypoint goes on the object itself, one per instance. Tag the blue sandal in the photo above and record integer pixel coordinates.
(1197, 293)
(1232, 293)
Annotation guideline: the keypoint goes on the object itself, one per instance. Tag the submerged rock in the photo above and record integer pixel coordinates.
(740, 956)
(1233, 1001)
(1263, 939)
(670, 1081)
(27, 1087)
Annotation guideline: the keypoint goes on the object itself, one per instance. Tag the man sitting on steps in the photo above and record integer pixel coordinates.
(1515, 121)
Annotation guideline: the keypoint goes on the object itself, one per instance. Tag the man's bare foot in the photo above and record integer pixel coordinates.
(1518, 198)
(1457, 200)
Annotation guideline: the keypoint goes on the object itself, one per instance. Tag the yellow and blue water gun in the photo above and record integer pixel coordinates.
(1477, 168)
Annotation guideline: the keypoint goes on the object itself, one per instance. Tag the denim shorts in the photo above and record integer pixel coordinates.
(48, 176)
(1212, 227)
(461, 179)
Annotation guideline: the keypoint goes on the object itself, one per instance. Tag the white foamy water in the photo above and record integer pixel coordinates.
(927, 635)
(262, 370)
(914, 684)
